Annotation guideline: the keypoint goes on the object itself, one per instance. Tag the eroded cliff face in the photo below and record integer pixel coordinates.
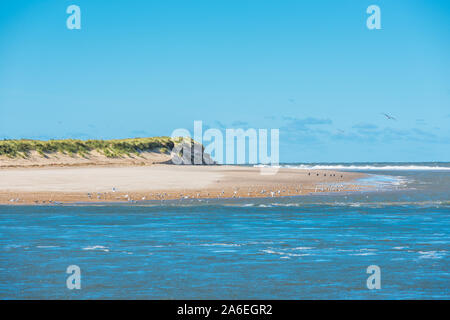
(190, 153)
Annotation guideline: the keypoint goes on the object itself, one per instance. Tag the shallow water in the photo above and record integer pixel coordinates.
(308, 247)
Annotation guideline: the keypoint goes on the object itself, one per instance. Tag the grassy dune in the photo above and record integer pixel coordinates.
(110, 148)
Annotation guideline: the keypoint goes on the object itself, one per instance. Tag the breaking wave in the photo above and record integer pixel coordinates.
(371, 167)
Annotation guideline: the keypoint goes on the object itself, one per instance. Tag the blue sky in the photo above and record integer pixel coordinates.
(310, 68)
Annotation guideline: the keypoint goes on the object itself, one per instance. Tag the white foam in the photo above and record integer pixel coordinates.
(220, 244)
(285, 254)
(302, 248)
(431, 254)
(100, 248)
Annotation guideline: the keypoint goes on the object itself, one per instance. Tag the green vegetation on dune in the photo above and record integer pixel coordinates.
(110, 148)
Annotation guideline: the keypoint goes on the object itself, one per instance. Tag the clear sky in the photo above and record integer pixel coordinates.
(310, 68)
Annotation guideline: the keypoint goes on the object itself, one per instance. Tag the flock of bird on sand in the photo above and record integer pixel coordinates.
(329, 187)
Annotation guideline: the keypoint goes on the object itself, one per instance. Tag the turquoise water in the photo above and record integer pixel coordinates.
(309, 247)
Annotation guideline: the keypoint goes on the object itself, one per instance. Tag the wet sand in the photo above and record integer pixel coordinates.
(94, 184)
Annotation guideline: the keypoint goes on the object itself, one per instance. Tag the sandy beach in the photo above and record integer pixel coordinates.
(93, 184)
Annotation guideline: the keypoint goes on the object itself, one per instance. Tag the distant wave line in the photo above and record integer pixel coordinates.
(359, 167)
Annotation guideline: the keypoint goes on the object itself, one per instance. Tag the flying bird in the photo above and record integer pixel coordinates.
(388, 116)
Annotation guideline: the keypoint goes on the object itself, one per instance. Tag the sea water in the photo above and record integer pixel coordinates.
(304, 247)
